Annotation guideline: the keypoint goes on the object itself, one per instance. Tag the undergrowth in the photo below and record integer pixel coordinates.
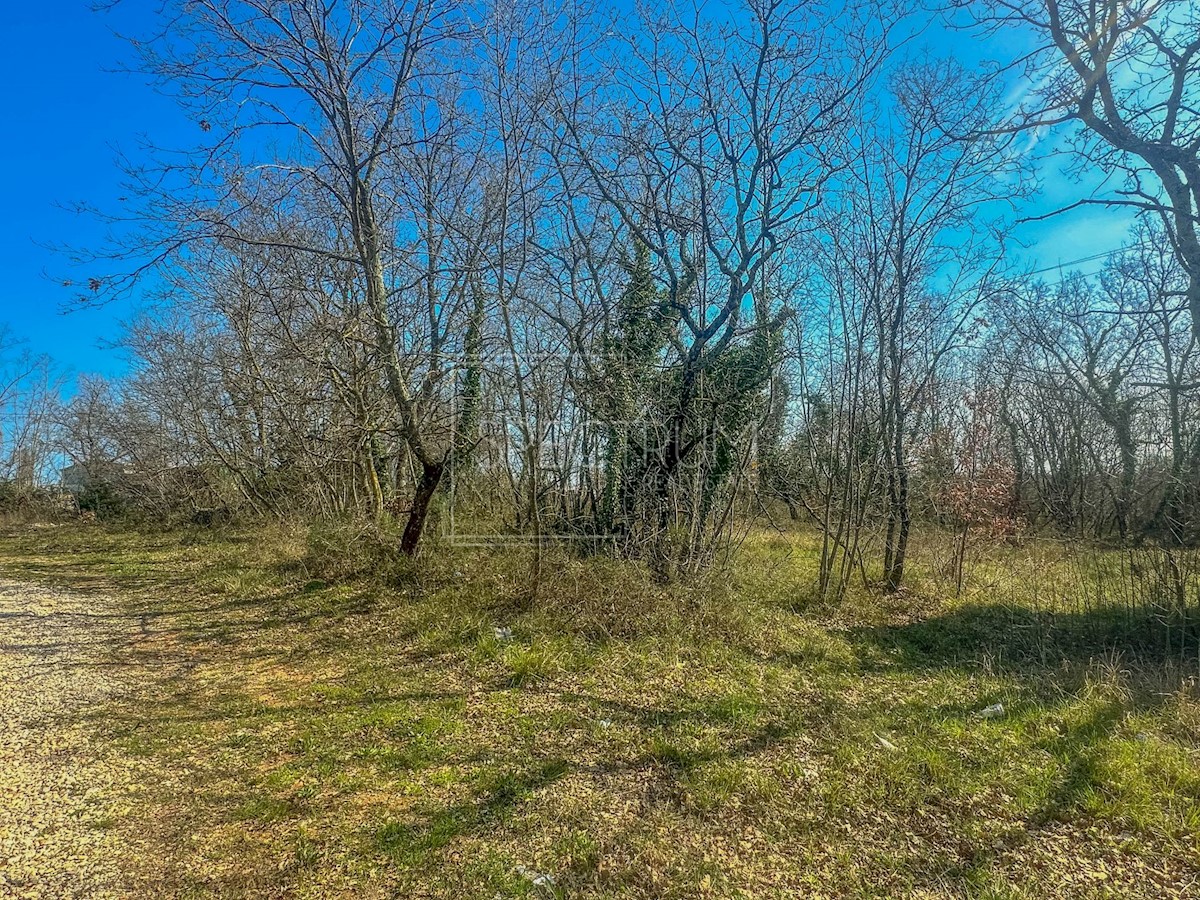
(523, 721)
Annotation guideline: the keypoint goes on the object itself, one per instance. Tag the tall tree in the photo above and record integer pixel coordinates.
(918, 239)
(1127, 72)
(711, 141)
(309, 110)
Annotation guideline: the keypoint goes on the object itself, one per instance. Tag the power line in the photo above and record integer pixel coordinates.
(1093, 257)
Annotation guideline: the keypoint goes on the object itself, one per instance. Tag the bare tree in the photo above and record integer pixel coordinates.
(915, 239)
(1128, 73)
(710, 141)
(29, 389)
(310, 107)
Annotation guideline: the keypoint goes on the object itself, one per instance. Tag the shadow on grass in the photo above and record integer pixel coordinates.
(1025, 640)
(495, 796)
(1081, 746)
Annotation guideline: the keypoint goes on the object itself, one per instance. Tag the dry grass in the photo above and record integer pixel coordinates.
(456, 731)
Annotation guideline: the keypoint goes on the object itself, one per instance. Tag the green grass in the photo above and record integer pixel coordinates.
(307, 737)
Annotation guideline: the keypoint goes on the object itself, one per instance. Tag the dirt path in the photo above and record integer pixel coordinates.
(59, 792)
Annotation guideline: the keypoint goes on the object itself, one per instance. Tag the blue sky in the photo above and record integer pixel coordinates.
(68, 110)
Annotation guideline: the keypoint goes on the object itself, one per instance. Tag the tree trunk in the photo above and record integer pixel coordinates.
(431, 476)
(895, 574)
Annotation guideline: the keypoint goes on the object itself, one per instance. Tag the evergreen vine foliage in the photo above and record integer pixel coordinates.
(632, 360)
(676, 430)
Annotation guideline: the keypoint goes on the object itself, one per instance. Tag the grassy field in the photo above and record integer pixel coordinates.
(448, 732)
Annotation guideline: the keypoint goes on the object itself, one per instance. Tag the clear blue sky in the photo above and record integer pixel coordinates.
(66, 112)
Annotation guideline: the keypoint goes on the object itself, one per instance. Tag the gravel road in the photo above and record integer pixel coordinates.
(59, 793)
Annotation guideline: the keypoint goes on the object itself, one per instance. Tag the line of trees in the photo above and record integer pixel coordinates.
(625, 281)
